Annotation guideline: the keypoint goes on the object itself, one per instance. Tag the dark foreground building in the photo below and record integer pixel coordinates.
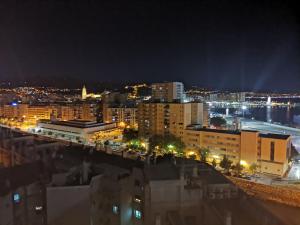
(22, 195)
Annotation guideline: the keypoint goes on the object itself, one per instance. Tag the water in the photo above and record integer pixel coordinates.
(275, 114)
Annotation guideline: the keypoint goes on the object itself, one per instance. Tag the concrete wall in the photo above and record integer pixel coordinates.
(68, 205)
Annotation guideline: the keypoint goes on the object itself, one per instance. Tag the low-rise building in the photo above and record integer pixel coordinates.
(79, 131)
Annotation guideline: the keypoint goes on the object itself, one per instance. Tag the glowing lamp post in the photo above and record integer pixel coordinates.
(243, 109)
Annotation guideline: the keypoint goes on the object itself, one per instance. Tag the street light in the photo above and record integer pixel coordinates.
(243, 109)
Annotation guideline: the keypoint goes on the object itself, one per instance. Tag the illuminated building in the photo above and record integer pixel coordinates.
(78, 131)
(227, 97)
(168, 92)
(269, 151)
(169, 118)
(123, 115)
(83, 93)
(38, 112)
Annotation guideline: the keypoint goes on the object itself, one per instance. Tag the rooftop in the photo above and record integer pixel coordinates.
(237, 132)
(75, 123)
(275, 136)
(17, 176)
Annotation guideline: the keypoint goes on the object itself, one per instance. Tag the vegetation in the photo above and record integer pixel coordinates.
(204, 152)
(253, 168)
(218, 121)
(225, 163)
(130, 134)
(166, 144)
(237, 168)
(214, 163)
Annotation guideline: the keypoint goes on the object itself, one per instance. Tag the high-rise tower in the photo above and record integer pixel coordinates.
(83, 94)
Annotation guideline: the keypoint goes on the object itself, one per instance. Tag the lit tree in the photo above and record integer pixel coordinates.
(225, 163)
(253, 168)
(129, 134)
(214, 163)
(237, 168)
(166, 144)
(204, 152)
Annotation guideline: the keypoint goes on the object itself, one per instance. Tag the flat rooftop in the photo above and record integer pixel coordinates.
(9, 133)
(75, 123)
(275, 136)
(236, 132)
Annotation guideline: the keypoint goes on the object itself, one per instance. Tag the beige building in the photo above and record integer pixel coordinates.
(27, 112)
(122, 115)
(168, 92)
(269, 151)
(169, 118)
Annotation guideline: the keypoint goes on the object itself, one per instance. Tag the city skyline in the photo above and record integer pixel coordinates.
(217, 44)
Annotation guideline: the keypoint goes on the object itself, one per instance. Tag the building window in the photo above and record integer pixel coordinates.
(137, 214)
(137, 199)
(272, 151)
(115, 209)
(16, 198)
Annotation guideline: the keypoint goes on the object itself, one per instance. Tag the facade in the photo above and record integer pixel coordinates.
(83, 93)
(22, 195)
(170, 118)
(18, 148)
(228, 97)
(168, 92)
(171, 193)
(269, 151)
(120, 114)
(74, 130)
(33, 113)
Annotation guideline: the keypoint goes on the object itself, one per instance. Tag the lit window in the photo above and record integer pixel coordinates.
(137, 199)
(115, 209)
(16, 198)
(137, 214)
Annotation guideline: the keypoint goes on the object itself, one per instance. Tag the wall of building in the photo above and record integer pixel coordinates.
(68, 205)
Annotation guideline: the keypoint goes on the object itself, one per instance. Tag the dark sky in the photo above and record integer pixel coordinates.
(223, 44)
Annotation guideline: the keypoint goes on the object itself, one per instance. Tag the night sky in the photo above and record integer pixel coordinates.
(243, 45)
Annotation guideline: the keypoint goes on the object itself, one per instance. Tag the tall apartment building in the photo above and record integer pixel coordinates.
(168, 92)
(123, 115)
(269, 151)
(169, 118)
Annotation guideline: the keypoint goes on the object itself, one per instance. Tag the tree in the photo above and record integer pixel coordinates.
(218, 121)
(253, 168)
(237, 168)
(204, 152)
(166, 144)
(129, 134)
(214, 163)
(225, 163)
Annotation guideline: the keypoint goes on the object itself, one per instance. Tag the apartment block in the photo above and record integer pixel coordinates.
(168, 92)
(169, 118)
(123, 115)
(269, 151)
